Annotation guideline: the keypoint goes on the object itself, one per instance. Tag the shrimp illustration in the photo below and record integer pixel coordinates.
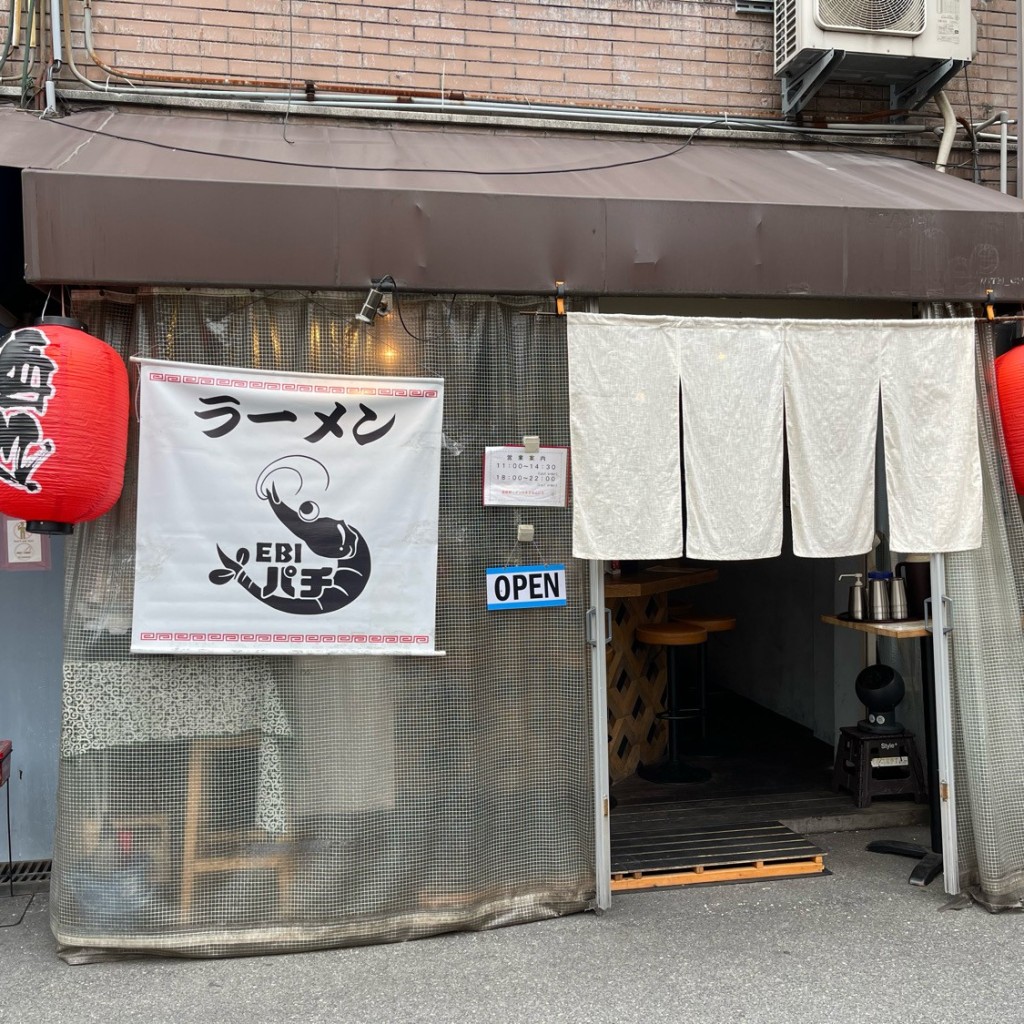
(294, 486)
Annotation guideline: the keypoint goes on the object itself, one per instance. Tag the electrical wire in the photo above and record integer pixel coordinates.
(818, 135)
(384, 168)
(387, 278)
(969, 128)
(24, 910)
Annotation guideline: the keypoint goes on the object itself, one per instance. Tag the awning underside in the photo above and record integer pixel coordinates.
(122, 198)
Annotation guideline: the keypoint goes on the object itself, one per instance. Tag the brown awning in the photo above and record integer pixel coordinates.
(123, 198)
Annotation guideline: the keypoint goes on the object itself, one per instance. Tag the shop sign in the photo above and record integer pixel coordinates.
(525, 586)
(21, 549)
(286, 513)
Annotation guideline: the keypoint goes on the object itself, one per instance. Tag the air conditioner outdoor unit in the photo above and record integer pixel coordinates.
(879, 42)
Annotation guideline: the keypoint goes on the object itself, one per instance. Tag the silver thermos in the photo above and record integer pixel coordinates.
(898, 599)
(857, 606)
(878, 596)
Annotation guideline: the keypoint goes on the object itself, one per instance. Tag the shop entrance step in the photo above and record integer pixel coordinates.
(652, 851)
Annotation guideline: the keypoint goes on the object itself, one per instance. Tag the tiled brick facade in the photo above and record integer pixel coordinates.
(699, 57)
(680, 56)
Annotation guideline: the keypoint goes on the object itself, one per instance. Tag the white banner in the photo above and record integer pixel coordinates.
(286, 513)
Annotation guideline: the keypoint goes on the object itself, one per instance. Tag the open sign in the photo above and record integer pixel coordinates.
(525, 586)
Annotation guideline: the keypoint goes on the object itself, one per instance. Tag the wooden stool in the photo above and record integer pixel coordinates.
(672, 636)
(207, 850)
(706, 620)
(871, 764)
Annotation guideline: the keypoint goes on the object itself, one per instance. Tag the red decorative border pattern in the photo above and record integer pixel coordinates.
(381, 639)
(305, 389)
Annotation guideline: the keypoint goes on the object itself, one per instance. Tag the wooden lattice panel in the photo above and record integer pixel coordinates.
(637, 678)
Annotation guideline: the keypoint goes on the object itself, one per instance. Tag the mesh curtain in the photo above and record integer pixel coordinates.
(987, 590)
(226, 805)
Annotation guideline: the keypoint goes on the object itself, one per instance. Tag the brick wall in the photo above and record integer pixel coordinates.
(675, 54)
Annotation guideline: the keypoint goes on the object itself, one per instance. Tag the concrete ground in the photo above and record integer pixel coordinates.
(860, 945)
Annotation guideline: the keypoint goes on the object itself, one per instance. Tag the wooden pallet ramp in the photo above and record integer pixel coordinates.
(649, 853)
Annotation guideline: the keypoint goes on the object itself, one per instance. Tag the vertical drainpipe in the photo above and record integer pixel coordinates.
(1020, 101)
(1004, 148)
(58, 44)
(57, 57)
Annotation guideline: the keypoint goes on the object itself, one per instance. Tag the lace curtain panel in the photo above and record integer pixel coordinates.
(228, 805)
(986, 587)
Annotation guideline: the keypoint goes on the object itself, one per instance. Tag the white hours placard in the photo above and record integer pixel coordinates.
(514, 476)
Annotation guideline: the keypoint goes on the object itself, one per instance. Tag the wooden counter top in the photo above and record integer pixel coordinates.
(656, 581)
(899, 630)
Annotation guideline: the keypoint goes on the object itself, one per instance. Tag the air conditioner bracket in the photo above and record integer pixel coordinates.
(913, 94)
(798, 90)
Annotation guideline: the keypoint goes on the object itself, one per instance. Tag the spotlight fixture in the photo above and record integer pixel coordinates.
(374, 303)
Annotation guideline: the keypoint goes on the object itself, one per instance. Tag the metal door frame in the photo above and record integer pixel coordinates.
(941, 625)
(597, 635)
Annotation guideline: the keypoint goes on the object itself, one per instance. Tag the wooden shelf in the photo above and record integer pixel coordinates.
(898, 630)
(652, 581)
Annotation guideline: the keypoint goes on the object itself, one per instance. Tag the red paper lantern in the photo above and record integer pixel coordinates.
(1010, 386)
(63, 425)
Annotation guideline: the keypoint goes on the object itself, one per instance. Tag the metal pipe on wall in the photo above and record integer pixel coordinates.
(26, 67)
(1004, 139)
(948, 131)
(205, 86)
(343, 97)
(9, 43)
(56, 60)
(1020, 100)
(28, 51)
(211, 85)
(57, 48)
(1001, 118)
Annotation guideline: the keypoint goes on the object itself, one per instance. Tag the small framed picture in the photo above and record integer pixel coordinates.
(21, 549)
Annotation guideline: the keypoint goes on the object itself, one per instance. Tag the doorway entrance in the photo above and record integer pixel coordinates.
(757, 712)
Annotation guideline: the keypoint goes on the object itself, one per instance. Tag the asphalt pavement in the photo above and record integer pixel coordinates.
(858, 945)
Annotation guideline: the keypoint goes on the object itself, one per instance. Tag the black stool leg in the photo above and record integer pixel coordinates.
(702, 698)
(702, 742)
(674, 769)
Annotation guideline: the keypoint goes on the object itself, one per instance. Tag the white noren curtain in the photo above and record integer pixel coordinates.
(739, 380)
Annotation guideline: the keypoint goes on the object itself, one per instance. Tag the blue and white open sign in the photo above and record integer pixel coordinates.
(525, 586)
